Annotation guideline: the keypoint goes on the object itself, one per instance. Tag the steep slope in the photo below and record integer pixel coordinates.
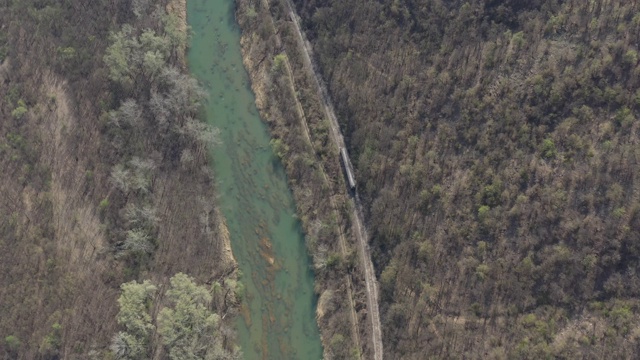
(495, 149)
(359, 230)
(67, 228)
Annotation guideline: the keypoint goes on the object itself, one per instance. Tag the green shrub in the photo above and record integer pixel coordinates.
(19, 112)
(548, 149)
(103, 204)
(67, 53)
(529, 320)
(483, 212)
(624, 116)
(619, 212)
(251, 12)
(278, 62)
(12, 342)
(53, 340)
(630, 57)
(490, 194)
(518, 40)
(334, 261)
(482, 271)
(279, 148)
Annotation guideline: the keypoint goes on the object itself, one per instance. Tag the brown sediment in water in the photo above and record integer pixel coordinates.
(260, 83)
(284, 348)
(246, 314)
(266, 251)
(265, 346)
(254, 195)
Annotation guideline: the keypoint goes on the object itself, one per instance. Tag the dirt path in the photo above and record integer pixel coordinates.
(358, 224)
(341, 240)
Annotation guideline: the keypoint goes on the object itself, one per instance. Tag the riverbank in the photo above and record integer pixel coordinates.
(179, 9)
(286, 100)
(278, 307)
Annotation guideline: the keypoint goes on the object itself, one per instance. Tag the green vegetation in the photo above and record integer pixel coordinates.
(279, 148)
(527, 112)
(157, 103)
(278, 62)
(314, 172)
(524, 116)
(19, 111)
(99, 146)
(188, 329)
(12, 342)
(133, 342)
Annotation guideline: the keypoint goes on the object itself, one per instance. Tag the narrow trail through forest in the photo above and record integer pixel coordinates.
(342, 241)
(357, 217)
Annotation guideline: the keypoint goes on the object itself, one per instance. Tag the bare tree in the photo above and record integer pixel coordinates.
(120, 178)
(138, 242)
(142, 174)
(129, 113)
(141, 216)
(202, 133)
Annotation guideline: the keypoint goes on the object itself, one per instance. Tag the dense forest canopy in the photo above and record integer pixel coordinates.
(496, 150)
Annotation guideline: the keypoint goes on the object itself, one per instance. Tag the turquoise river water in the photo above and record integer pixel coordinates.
(278, 313)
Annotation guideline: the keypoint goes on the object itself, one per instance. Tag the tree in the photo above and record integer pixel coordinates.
(155, 51)
(120, 178)
(153, 62)
(153, 43)
(142, 174)
(159, 109)
(142, 216)
(184, 93)
(12, 346)
(138, 242)
(134, 316)
(19, 112)
(129, 113)
(130, 56)
(203, 133)
(137, 178)
(120, 56)
(189, 329)
(178, 37)
(127, 347)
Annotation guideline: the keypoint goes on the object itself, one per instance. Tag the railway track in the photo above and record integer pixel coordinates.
(359, 229)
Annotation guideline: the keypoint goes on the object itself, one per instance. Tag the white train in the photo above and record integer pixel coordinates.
(351, 179)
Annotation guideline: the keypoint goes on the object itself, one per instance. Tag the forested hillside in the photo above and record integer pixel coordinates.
(98, 149)
(496, 151)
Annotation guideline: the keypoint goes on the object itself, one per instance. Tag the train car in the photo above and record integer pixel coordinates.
(347, 169)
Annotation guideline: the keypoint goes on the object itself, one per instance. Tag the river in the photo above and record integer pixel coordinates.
(278, 312)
